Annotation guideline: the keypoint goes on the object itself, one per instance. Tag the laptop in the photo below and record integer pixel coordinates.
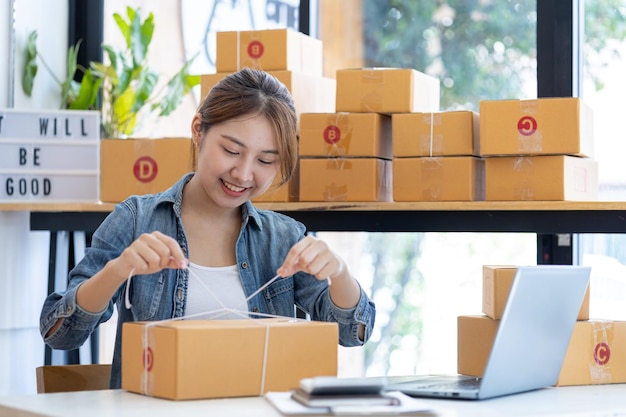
(530, 344)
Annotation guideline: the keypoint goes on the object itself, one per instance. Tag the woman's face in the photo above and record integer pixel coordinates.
(237, 160)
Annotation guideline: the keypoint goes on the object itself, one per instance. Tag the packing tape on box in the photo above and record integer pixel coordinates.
(529, 135)
(432, 177)
(238, 51)
(430, 142)
(147, 379)
(599, 363)
(338, 130)
(372, 101)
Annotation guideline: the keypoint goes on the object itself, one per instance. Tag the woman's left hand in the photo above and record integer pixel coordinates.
(314, 257)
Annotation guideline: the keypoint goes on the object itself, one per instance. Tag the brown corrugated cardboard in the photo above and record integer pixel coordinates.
(268, 50)
(311, 94)
(288, 192)
(192, 359)
(386, 90)
(497, 282)
(556, 178)
(447, 178)
(142, 166)
(345, 179)
(536, 127)
(453, 133)
(596, 353)
(345, 134)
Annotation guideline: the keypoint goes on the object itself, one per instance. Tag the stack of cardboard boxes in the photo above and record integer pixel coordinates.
(434, 157)
(293, 58)
(347, 156)
(597, 349)
(538, 150)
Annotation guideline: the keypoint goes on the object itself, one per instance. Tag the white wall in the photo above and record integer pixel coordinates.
(23, 254)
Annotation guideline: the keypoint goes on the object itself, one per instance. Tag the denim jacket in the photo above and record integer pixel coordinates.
(263, 243)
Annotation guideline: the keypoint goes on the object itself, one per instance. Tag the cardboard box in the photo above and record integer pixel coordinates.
(311, 94)
(556, 178)
(345, 134)
(447, 178)
(453, 133)
(386, 90)
(545, 126)
(497, 282)
(345, 179)
(285, 193)
(142, 166)
(596, 353)
(268, 50)
(193, 359)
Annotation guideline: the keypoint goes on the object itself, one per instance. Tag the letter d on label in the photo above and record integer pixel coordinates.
(145, 169)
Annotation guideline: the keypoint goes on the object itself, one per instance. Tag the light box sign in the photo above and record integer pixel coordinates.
(49, 155)
(58, 124)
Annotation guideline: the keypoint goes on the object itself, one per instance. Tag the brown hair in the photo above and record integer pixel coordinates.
(254, 92)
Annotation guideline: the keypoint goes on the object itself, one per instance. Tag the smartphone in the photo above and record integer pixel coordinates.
(330, 385)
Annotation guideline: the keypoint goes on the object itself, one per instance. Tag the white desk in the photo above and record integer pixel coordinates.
(584, 401)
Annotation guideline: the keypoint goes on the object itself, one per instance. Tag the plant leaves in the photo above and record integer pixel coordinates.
(147, 82)
(124, 119)
(124, 27)
(30, 64)
(177, 87)
(88, 92)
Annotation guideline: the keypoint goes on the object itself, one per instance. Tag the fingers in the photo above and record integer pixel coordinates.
(312, 256)
(152, 252)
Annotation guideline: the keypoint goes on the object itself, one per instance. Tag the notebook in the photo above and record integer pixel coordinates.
(530, 344)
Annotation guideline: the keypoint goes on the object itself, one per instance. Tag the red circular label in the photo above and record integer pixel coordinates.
(527, 125)
(148, 359)
(255, 49)
(602, 353)
(145, 169)
(332, 134)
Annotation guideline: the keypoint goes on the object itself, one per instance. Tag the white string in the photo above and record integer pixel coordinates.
(127, 292)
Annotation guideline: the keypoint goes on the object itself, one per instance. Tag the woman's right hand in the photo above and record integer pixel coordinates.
(149, 253)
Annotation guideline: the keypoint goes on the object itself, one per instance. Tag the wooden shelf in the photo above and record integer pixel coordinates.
(542, 217)
(349, 206)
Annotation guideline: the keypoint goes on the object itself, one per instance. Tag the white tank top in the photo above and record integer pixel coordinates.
(212, 290)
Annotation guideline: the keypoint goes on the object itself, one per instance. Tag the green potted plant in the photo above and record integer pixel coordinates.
(124, 89)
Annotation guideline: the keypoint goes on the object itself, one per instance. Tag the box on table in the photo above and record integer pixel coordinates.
(345, 179)
(536, 127)
(268, 50)
(497, 282)
(544, 177)
(452, 133)
(142, 166)
(447, 178)
(193, 359)
(311, 94)
(386, 90)
(596, 353)
(345, 134)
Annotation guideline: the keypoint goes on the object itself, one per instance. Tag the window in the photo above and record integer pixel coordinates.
(478, 50)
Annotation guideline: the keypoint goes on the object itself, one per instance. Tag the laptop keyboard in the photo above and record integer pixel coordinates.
(472, 383)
